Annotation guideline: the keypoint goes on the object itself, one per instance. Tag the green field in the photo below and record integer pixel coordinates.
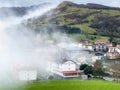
(67, 85)
(91, 38)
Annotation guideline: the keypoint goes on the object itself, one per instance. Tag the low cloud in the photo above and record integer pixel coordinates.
(9, 3)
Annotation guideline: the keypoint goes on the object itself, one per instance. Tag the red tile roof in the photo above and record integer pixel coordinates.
(70, 72)
(114, 47)
(101, 41)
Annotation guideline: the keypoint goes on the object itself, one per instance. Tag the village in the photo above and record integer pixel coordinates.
(80, 61)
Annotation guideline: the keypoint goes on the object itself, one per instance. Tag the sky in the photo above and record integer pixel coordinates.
(8, 3)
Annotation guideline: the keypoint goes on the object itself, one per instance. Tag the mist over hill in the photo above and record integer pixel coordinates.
(18, 11)
(88, 19)
(72, 18)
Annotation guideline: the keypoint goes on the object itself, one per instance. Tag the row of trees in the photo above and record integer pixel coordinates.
(69, 30)
(96, 70)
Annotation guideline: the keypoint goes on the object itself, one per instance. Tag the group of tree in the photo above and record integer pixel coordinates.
(96, 70)
(70, 30)
(115, 69)
(106, 25)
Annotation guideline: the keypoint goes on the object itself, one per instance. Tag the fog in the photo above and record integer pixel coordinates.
(10, 3)
(22, 47)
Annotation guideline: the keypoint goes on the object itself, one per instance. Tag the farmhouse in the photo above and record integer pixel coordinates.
(69, 68)
(65, 69)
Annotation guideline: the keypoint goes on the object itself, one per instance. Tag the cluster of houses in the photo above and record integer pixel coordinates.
(103, 49)
(84, 53)
(72, 57)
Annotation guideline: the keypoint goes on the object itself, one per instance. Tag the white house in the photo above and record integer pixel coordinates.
(65, 69)
(27, 74)
(113, 52)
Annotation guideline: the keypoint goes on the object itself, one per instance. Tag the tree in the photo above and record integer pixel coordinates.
(106, 26)
(83, 66)
(114, 44)
(98, 69)
(116, 71)
(88, 70)
(111, 39)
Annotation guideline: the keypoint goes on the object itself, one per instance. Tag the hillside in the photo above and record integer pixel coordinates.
(88, 19)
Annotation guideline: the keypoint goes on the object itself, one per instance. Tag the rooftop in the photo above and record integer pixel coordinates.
(101, 41)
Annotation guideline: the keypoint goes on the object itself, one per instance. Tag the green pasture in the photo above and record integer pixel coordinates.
(66, 85)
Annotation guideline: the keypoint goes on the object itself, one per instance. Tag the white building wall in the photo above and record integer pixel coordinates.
(27, 75)
(68, 66)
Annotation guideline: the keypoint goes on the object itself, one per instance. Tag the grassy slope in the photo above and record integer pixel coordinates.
(85, 26)
(83, 11)
(80, 37)
(69, 85)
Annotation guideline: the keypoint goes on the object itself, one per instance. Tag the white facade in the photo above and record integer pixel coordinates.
(27, 75)
(68, 66)
(65, 70)
(114, 50)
